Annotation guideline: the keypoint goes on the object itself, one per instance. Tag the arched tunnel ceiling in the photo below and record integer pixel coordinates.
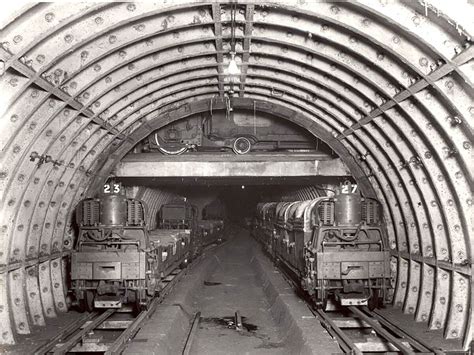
(387, 84)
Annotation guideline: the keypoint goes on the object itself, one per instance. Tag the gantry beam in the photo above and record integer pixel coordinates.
(26, 71)
(428, 80)
(252, 165)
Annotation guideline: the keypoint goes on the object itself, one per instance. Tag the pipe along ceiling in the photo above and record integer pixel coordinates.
(386, 84)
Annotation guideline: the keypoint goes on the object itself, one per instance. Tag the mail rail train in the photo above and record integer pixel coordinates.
(117, 260)
(211, 226)
(178, 214)
(335, 246)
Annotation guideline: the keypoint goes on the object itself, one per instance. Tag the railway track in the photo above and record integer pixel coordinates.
(106, 332)
(359, 330)
(192, 333)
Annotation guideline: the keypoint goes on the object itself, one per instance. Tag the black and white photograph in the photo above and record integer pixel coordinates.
(213, 177)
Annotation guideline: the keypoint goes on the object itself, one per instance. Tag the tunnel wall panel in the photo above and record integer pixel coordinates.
(386, 84)
(32, 289)
(16, 280)
(425, 304)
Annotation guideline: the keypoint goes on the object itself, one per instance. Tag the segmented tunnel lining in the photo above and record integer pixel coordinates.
(387, 85)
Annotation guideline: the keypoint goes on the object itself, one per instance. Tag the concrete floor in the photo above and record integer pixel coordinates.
(233, 286)
(233, 277)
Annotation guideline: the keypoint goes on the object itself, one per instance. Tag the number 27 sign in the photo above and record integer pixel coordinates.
(349, 189)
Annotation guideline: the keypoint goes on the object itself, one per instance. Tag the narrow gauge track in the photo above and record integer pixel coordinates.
(192, 333)
(79, 335)
(195, 325)
(359, 330)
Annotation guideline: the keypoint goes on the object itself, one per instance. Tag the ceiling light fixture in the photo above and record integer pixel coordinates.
(233, 68)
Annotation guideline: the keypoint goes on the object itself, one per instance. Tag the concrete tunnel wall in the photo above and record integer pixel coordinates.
(387, 84)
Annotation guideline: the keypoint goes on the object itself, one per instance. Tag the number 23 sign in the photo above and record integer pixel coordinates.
(111, 188)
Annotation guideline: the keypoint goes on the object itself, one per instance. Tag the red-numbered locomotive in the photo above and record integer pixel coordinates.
(335, 245)
(116, 259)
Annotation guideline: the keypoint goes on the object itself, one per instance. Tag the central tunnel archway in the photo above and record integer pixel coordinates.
(275, 109)
(388, 85)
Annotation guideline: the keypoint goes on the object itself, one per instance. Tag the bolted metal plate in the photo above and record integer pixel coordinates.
(387, 78)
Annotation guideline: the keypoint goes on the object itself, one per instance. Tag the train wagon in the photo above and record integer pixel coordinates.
(211, 231)
(211, 226)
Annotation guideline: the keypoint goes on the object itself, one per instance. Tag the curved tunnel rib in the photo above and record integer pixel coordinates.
(385, 93)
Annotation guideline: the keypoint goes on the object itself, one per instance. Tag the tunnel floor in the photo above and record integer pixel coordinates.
(375, 92)
(235, 286)
(229, 278)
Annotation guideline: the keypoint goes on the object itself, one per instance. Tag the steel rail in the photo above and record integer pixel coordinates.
(92, 320)
(191, 334)
(70, 329)
(344, 341)
(347, 344)
(417, 343)
(79, 328)
(69, 344)
(382, 332)
(119, 344)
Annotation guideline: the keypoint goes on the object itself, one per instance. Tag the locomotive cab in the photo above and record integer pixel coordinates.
(346, 258)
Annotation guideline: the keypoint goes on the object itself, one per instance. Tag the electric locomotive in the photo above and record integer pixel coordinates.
(116, 260)
(335, 245)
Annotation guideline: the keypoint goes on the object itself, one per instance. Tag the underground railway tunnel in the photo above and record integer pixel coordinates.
(377, 92)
